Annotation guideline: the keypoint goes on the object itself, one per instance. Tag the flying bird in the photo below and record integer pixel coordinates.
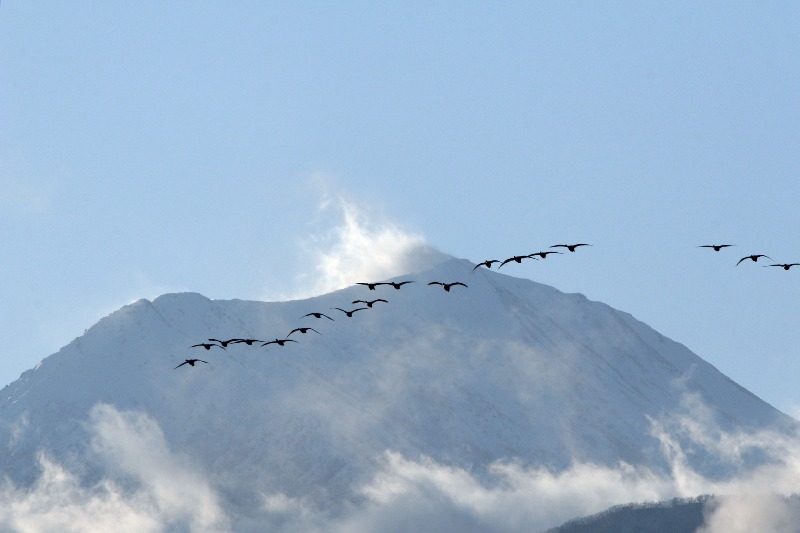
(785, 266)
(207, 345)
(317, 315)
(446, 286)
(716, 247)
(369, 303)
(224, 344)
(190, 362)
(303, 330)
(570, 247)
(517, 258)
(248, 342)
(350, 313)
(370, 286)
(397, 284)
(754, 257)
(488, 263)
(544, 255)
(279, 342)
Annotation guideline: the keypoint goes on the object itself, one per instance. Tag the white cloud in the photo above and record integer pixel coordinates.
(407, 495)
(363, 245)
(148, 488)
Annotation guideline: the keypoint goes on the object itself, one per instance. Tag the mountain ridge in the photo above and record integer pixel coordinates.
(504, 370)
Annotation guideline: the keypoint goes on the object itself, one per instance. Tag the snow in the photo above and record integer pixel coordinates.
(504, 370)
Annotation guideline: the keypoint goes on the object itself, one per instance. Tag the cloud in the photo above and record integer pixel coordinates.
(363, 245)
(148, 488)
(419, 495)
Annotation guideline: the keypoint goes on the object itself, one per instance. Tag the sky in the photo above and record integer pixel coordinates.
(267, 150)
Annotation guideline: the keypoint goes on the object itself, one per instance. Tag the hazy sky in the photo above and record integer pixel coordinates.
(229, 148)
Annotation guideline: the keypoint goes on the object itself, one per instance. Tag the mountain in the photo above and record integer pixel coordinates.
(675, 516)
(504, 370)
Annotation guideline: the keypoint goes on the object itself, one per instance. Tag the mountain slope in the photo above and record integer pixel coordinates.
(506, 369)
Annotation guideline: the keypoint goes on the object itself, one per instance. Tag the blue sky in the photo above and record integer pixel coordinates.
(152, 147)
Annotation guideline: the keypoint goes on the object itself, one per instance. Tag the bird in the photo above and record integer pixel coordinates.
(570, 247)
(279, 342)
(716, 247)
(785, 266)
(370, 286)
(754, 257)
(317, 315)
(517, 258)
(397, 284)
(350, 313)
(304, 330)
(248, 342)
(224, 344)
(544, 255)
(446, 286)
(369, 303)
(488, 263)
(207, 345)
(190, 362)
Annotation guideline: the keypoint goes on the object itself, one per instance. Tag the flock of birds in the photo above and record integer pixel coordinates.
(753, 257)
(447, 286)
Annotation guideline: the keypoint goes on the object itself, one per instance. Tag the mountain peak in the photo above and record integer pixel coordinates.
(504, 369)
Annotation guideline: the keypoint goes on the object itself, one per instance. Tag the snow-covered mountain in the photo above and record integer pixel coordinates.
(505, 370)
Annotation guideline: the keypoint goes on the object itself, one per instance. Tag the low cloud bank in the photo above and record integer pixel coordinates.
(151, 488)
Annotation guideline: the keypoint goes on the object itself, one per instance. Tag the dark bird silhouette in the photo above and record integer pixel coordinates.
(224, 344)
(303, 330)
(350, 313)
(207, 345)
(544, 255)
(279, 342)
(488, 263)
(191, 362)
(370, 286)
(369, 303)
(248, 342)
(570, 247)
(785, 266)
(517, 258)
(446, 286)
(754, 257)
(397, 284)
(317, 315)
(716, 247)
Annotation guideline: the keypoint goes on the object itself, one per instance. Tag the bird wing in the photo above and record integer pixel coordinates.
(180, 365)
(435, 283)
